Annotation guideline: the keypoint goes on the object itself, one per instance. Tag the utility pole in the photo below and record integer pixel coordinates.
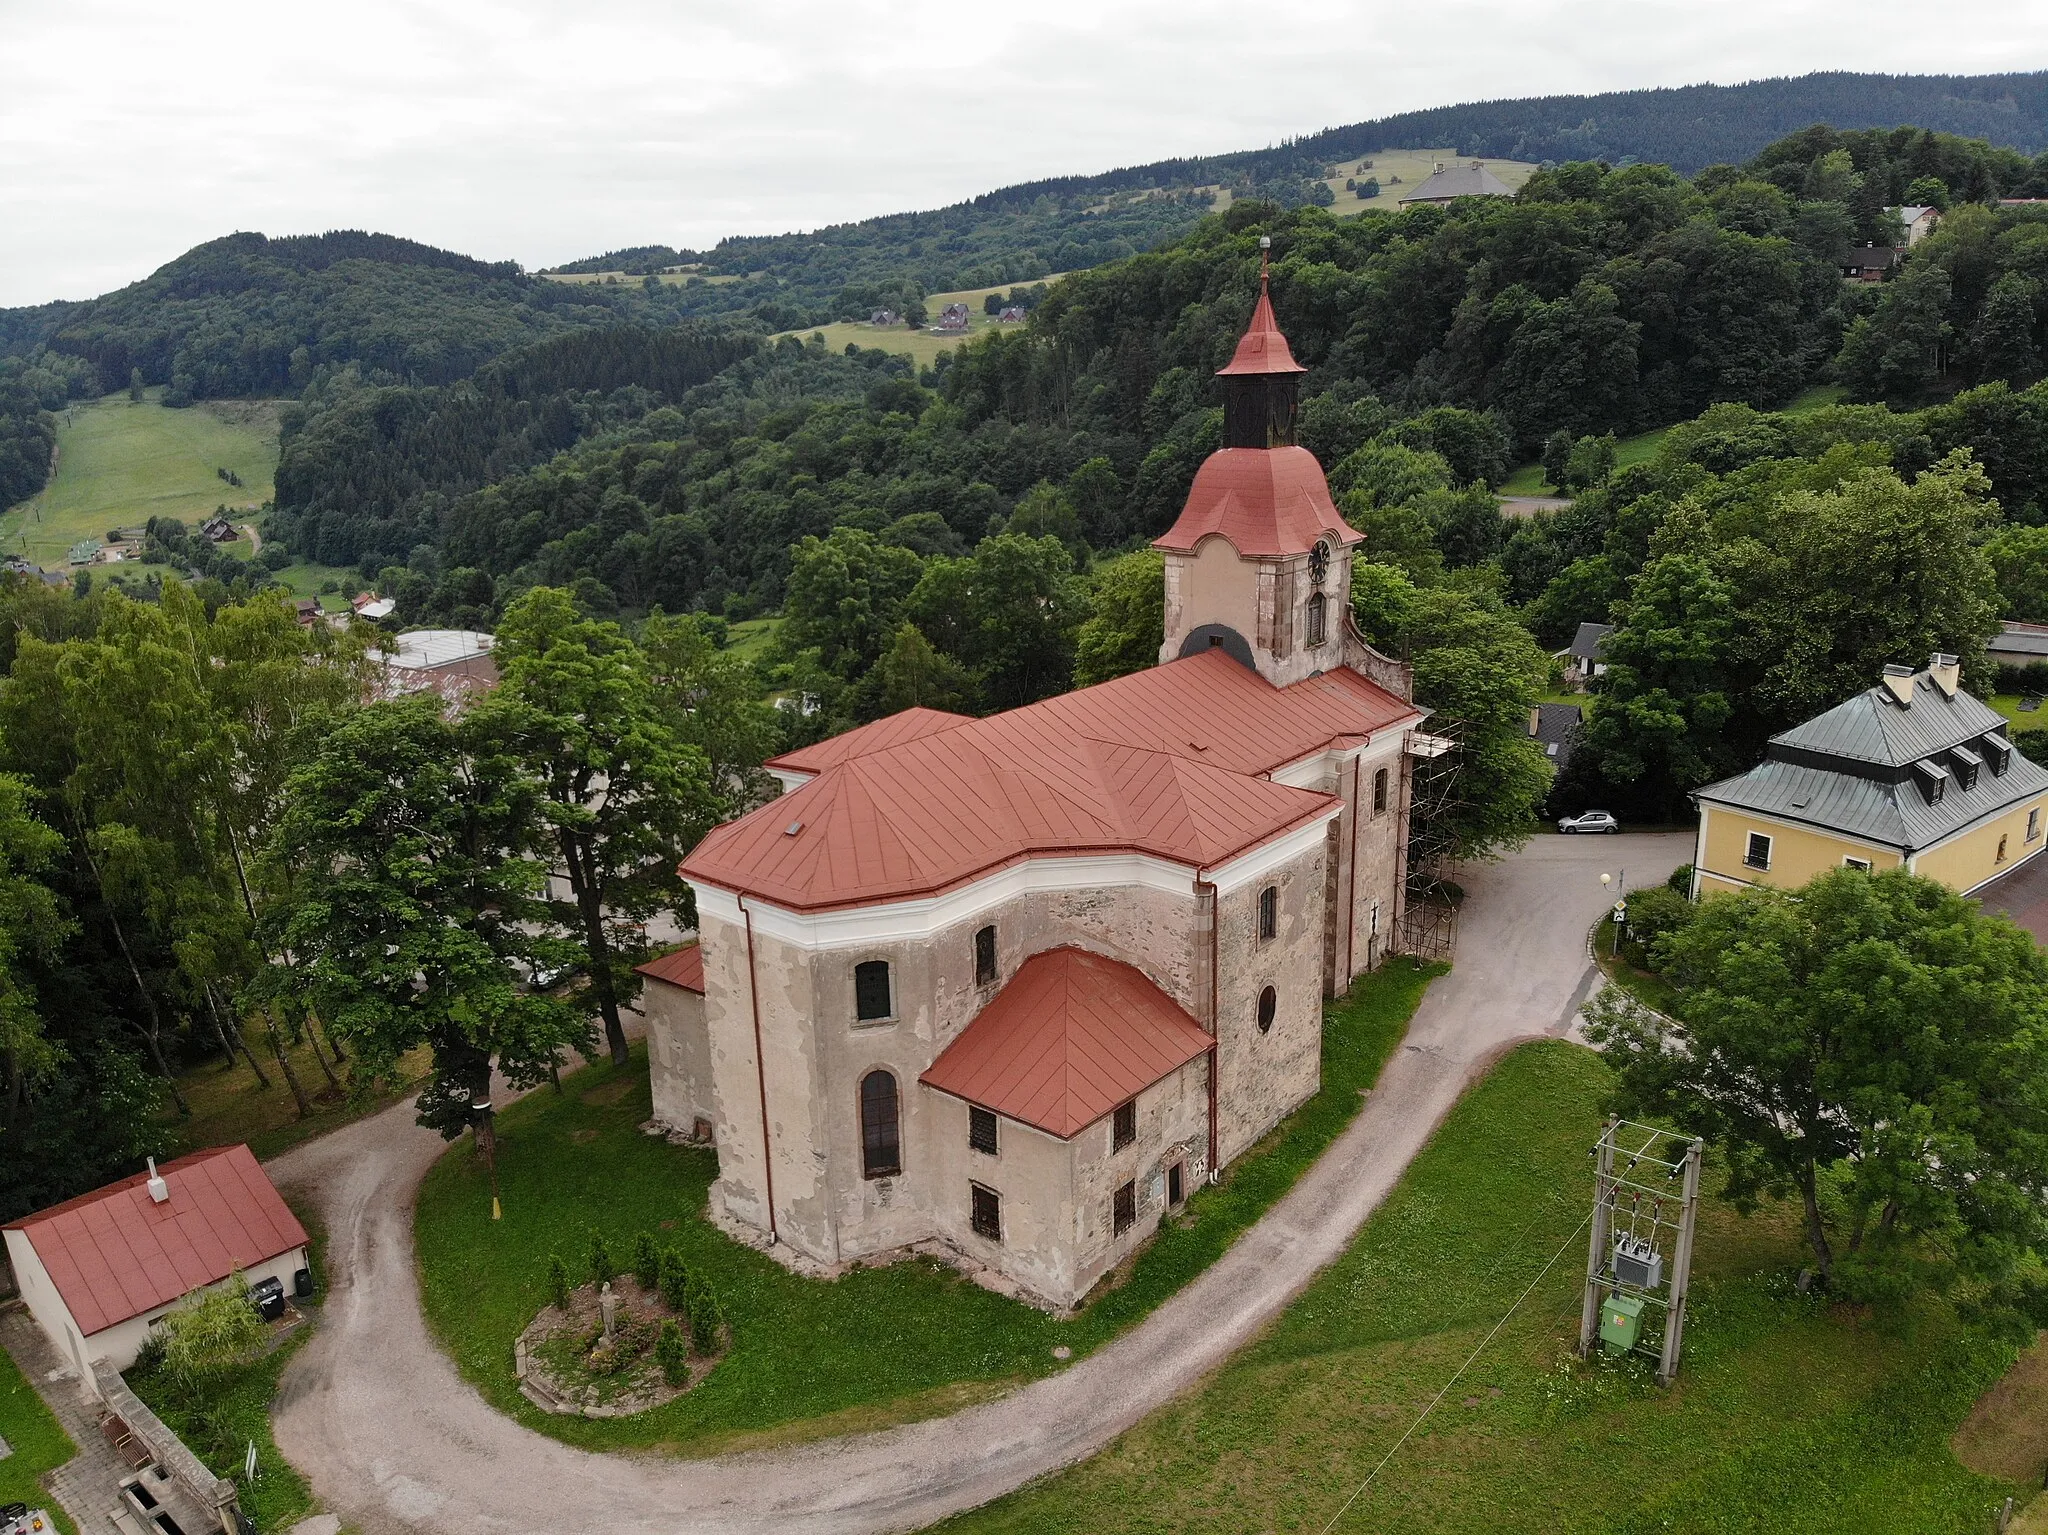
(1596, 1245)
(1681, 1269)
(487, 1143)
(1625, 1270)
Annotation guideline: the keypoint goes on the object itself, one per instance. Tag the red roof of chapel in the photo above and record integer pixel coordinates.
(1071, 1036)
(115, 1253)
(682, 967)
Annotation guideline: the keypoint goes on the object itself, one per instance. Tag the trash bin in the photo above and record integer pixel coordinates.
(267, 1296)
(302, 1284)
(1621, 1321)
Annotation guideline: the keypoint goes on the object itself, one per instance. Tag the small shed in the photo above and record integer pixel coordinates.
(679, 1042)
(1582, 658)
(2018, 644)
(99, 1271)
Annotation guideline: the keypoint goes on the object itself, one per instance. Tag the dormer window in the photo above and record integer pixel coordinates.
(1998, 752)
(1932, 778)
(1967, 764)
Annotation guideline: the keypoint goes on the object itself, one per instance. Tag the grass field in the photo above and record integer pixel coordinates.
(1413, 167)
(878, 1346)
(1789, 1415)
(920, 345)
(120, 462)
(37, 1439)
(750, 638)
(305, 580)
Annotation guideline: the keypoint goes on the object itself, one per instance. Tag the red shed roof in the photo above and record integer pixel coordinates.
(1068, 1039)
(1262, 349)
(1266, 501)
(682, 967)
(116, 1253)
(1166, 761)
(892, 730)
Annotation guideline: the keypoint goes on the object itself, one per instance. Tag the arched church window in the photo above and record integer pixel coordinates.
(1318, 625)
(881, 1135)
(1318, 562)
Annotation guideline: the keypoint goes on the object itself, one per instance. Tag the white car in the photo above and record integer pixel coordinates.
(1591, 820)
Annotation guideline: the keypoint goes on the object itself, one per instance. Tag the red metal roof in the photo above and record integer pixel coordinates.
(682, 967)
(1166, 761)
(1262, 349)
(115, 1253)
(892, 730)
(1266, 501)
(1068, 1039)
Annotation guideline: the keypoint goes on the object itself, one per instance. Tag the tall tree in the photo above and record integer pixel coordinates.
(413, 843)
(1874, 1048)
(1126, 622)
(623, 796)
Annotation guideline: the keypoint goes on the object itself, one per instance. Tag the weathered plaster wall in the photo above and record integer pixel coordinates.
(1262, 1075)
(678, 1055)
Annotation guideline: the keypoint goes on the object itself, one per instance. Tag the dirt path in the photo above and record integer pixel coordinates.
(375, 1415)
(255, 539)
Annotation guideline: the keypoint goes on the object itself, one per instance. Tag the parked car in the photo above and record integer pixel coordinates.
(1590, 820)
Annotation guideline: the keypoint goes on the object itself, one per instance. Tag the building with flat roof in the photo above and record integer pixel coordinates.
(1914, 773)
(1016, 986)
(456, 663)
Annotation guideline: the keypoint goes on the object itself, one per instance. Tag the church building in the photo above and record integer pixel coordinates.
(1018, 985)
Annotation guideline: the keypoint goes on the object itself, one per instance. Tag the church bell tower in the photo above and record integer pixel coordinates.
(1258, 564)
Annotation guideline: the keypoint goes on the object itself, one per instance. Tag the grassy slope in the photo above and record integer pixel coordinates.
(1789, 1414)
(120, 463)
(880, 1345)
(37, 1439)
(919, 344)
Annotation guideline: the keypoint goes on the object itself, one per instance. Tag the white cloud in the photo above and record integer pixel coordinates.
(132, 130)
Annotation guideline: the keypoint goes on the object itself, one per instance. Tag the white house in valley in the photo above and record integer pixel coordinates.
(1017, 985)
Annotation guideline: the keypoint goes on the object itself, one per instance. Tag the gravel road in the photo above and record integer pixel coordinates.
(375, 1415)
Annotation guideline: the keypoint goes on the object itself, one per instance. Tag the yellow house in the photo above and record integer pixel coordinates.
(1912, 772)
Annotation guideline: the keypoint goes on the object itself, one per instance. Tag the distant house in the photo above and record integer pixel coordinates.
(1452, 182)
(1555, 728)
(1582, 661)
(456, 663)
(2018, 644)
(99, 1271)
(219, 530)
(84, 552)
(952, 318)
(1919, 220)
(1869, 263)
(885, 317)
(369, 605)
(1013, 314)
(308, 611)
(18, 565)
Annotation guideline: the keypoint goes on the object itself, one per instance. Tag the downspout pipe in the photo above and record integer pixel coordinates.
(1215, 993)
(761, 1072)
(1351, 898)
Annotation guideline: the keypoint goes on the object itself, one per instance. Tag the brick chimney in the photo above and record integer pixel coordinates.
(1898, 681)
(1946, 671)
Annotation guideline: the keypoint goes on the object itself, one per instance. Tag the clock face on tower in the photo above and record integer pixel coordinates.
(1319, 562)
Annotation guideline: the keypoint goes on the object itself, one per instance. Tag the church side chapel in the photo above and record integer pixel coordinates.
(1018, 985)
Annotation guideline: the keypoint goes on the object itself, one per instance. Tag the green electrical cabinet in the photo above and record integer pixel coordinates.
(1621, 1321)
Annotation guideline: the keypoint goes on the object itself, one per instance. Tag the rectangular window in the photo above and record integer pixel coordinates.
(981, 1130)
(988, 1212)
(2033, 825)
(1123, 1125)
(1758, 855)
(1861, 864)
(871, 990)
(1269, 914)
(1379, 792)
(985, 956)
(1317, 627)
(1124, 1210)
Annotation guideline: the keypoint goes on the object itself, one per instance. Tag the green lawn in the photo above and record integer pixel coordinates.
(119, 463)
(1646, 986)
(878, 1346)
(38, 1440)
(1528, 480)
(750, 638)
(1790, 1414)
(2008, 704)
(305, 580)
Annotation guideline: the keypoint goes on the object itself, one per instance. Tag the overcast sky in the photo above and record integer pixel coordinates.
(544, 130)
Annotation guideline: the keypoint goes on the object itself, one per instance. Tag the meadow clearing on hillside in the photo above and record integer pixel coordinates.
(921, 345)
(121, 462)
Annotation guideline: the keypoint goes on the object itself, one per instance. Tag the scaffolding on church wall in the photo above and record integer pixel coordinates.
(1428, 924)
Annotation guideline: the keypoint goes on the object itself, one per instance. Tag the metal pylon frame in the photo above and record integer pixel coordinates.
(1612, 1187)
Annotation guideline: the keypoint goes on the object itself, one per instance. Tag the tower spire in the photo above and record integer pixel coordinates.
(1262, 379)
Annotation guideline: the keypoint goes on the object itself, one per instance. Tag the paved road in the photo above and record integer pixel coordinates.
(373, 1412)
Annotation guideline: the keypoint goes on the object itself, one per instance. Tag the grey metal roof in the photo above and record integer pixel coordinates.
(1459, 181)
(1894, 814)
(1872, 728)
(1556, 722)
(1587, 642)
(2017, 639)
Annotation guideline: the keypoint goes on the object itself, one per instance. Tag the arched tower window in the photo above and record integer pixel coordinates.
(881, 1127)
(1317, 627)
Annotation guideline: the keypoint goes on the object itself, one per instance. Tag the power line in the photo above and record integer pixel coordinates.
(1469, 1358)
